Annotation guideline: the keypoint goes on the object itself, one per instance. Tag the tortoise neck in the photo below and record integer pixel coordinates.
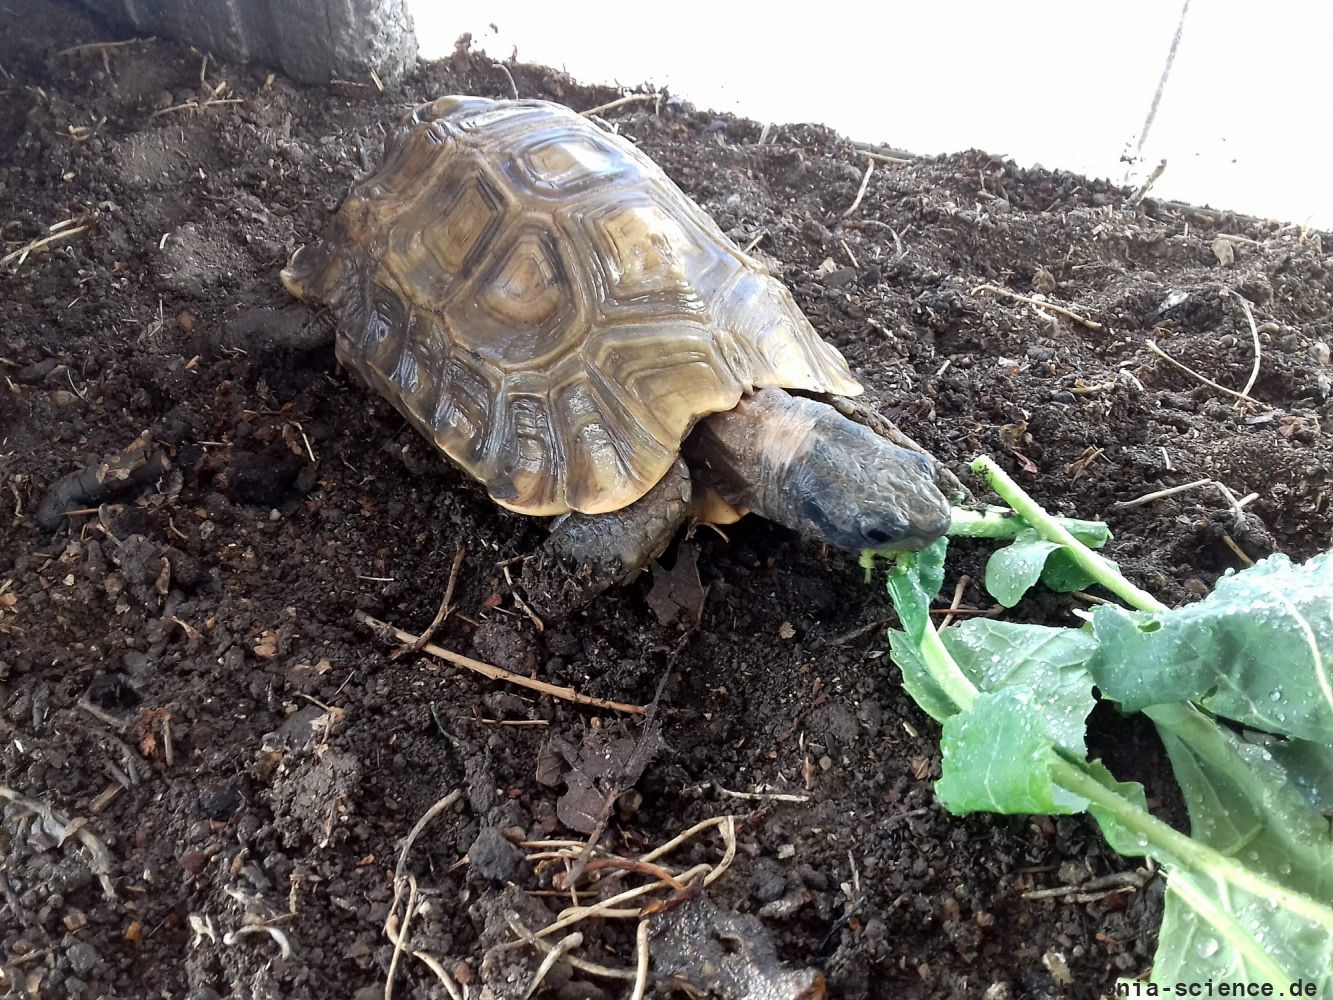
(748, 453)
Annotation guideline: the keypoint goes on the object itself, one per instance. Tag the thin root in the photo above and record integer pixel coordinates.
(537, 623)
(582, 965)
(861, 191)
(1152, 346)
(641, 966)
(420, 825)
(197, 105)
(957, 601)
(513, 87)
(399, 937)
(567, 943)
(1230, 543)
(98, 47)
(1254, 335)
(101, 857)
(398, 933)
(1160, 494)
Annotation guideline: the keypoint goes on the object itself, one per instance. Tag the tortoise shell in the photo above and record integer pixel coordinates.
(536, 297)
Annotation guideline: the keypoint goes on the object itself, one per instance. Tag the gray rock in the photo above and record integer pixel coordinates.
(313, 42)
(493, 857)
(82, 957)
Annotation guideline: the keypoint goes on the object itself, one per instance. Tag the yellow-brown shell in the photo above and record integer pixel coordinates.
(541, 301)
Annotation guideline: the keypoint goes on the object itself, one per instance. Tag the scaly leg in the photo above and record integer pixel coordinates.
(588, 553)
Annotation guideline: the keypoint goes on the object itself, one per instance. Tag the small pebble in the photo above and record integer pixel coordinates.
(839, 277)
(786, 852)
(75, 920)
(82, 956)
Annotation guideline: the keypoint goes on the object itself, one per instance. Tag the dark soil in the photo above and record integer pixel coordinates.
(181, 677)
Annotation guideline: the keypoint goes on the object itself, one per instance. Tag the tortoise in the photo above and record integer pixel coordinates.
(538, 299)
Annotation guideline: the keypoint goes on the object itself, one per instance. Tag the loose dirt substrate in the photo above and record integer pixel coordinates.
(247, 755)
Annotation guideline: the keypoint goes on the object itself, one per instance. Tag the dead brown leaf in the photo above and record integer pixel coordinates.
(678, 592)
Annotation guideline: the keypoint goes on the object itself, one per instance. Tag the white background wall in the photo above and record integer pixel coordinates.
(1244, 120)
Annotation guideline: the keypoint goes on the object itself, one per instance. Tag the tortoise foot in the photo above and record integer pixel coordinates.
(589, 553)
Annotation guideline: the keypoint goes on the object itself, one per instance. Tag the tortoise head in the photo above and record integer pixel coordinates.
(858, 491)
(314, 274)
(328, 270)
(800, 462)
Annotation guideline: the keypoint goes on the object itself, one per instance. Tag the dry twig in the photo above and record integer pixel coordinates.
(1102, 885)
(1040, 304)
(194, 105)
(446, 606)
(884, 154)
(55, 233)
(620, 103)
(761, 796)
(1142, 191)
(496, 673)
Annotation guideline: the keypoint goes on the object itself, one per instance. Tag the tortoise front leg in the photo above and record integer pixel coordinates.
(588, 553)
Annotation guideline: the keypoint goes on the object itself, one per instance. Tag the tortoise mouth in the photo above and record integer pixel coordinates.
(291, 282)
(310, 273)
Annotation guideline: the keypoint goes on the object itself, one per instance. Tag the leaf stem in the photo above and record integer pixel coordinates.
(1002, 523)
(945, 670)
(1162, 841)
(1049, 527)
(1184, 852)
